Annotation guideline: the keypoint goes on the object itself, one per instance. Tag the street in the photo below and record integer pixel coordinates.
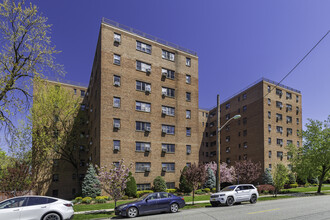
(315, 207)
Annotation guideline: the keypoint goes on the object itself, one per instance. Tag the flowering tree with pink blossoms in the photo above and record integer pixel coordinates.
(247, 171)
(227, 173)
(113, 181)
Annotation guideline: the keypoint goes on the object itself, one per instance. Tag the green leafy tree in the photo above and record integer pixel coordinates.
(131, 187)
(210, 182)
(159, 184)
(313, 158)
(91, 184)
(184, 185)
(26, 53)
(280, 177)
(291, 178)
(267, 177)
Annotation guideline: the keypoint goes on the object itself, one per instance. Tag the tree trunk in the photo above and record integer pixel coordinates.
(115, 203)
(321, 180)
(193, 196)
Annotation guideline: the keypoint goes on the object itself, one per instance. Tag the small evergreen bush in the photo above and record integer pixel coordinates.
(184, 185)
(210, 182)
(199, 191)
(294, 185)
(91, 185)
(159, 184)
(87, 200)
(267, 177)
(207, 190)
(125, 197)
(171, 190)
(214, 190)
(131, 187)
(141, 193)
(292, 179)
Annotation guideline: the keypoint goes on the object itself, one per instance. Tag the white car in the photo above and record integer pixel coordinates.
(36, 207)
(235, 193)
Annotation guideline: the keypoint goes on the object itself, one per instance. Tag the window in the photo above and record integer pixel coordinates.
(116, 59)
(168, 92)
(116, 102)
(227, 149)
(288, 131)
(278, 117)
(188, 96)
(166, 110)
(297, 110)
(227, 127)
(141, 167)
(116, 145)
(206, 115)
(269, 128)
(288, 95)
(269, 114)
(117, 37)
(75, 91)
(288, 142)
(188, 132)
(170, 74)
(279, 129)
(168, 55)
(81, 177)
(142, 146)
(269, 154)
(168, 148)
(169, 167)
(298, 144)
(142, 126)
(279, 92)
(244, 96)
(244, 132)
(168, 129)
(227, 138)
(227, 116)
(269, 101)
(297, 98)
(280, 155)
(82, 148)
(189, 164)
(227, 105)
(244, 108)
(288, 119)
(279, 142)
(82, 163)
(269, 140)
(297, 121)
(228, 160)
(143, 47)
(116, 123)
(188, 149)
(82, 93)
(245, 145)
(143, 86)
(55, 177)
(141, 187)
(270, 166)
(188, 79)
(188, 114)
(269, 89)
(239, 146)
(116, 164)
(145, 67)
(288, 107)
(73, 176)
(238, 98)
(142, 106)
(279, 105)
(245, 157)
(188, 61)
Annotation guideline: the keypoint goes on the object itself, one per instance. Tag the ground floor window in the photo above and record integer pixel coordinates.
(145, 186)
(170, 185)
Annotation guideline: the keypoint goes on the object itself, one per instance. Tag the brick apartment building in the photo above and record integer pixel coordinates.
(142, 106)
(270, 120)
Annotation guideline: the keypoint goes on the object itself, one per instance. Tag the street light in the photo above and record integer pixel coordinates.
(218, 142)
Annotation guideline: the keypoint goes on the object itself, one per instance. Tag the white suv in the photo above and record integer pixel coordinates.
(235, 193)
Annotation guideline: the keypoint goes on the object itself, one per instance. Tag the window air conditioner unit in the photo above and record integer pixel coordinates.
(164, 111)
(116, 148)
(188, 151)
(148, 90)
(90, 143)
(116, 125)
(117, 40)
(164, 169)
(147, 169)
(116, 83)
(147, 149)
(164, 74)
(147, 129)
(164, 94)
(164, 149)
(87, 135)
(148, 70)
(211, 125)
(164, 130)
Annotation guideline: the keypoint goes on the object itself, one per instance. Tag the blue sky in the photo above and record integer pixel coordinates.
(237, 41)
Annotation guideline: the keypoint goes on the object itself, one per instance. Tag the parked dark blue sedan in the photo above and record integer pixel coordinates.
(151, 203)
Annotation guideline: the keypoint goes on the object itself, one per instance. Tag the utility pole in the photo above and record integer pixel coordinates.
(218, 145)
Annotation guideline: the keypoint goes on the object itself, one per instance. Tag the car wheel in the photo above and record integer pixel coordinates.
(52, 216)
(253, 199)
(174, 207)
(132, 212)
(230, 201)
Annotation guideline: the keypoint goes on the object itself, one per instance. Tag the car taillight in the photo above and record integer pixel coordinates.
(182, 198)
(68, 204)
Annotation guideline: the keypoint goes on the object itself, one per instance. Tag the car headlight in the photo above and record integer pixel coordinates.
(121, 207)
(222, 194)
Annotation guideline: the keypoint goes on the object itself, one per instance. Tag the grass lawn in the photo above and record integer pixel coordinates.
(197, 198)
(306, 189)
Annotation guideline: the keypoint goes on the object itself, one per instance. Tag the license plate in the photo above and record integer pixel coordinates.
(213, 200)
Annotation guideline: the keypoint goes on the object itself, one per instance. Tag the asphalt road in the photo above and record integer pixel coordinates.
(315, 208)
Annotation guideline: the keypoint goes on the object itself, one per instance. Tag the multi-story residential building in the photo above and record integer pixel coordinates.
(143, 103)
(270, 120)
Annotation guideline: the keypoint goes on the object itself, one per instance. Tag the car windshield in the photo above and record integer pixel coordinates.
(228, 188)
(143, 197)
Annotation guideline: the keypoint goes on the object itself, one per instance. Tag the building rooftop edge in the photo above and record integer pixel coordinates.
(148, 36)
(65, 81)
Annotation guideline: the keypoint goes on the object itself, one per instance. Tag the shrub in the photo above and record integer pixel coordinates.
(295, 185)
(184, 185)
(199, 191)
(78, 198)
(307, 184)
(214, 190)
(141, 193)
(267, 177)
(159, 184)
(87, 200)
(125, 197)
(131, 187)
(101, 199)
(268, 188)
(171, 190)
(292, 178)
(207, 190)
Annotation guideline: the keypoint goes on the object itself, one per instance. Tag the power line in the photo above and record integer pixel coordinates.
(298, 63)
